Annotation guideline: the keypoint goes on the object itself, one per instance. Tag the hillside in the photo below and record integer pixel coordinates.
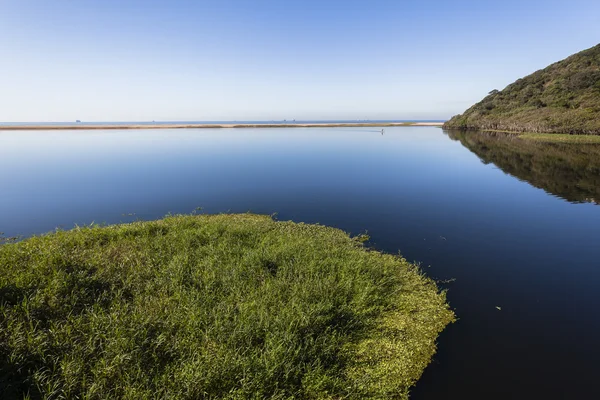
(562, 98)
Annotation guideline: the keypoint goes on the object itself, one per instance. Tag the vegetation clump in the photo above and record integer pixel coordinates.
(221, 306)
(562, 98)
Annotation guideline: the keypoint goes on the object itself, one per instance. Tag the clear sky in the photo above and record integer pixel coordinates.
(119, 60)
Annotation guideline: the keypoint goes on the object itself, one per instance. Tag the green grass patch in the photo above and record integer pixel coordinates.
(223, 306)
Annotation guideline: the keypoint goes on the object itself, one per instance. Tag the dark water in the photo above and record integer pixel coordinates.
(519, 231)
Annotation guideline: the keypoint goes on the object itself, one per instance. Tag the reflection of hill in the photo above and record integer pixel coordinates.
(570, 171)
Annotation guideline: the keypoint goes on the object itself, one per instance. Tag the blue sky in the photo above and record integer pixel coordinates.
(109, 60)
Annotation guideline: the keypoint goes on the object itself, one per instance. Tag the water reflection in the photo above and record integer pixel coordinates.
(569, 171)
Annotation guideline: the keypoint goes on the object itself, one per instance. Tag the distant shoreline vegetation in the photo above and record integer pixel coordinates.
(212, 306)
(562, 98)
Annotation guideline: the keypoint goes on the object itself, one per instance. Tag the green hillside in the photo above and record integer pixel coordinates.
(562, 98)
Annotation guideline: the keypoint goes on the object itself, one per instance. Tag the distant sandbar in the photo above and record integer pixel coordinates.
(194, 126)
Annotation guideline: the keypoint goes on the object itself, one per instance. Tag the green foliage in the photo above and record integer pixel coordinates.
(222, 306)
(562, 98)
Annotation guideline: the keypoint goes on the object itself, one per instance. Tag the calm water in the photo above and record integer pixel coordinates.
(516, 227)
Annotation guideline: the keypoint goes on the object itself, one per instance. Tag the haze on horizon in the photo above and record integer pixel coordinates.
(268, 60)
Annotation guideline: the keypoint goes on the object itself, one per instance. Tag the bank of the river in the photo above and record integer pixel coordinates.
(542, 137)
(561, 138)
(190, 126)
(221, 306)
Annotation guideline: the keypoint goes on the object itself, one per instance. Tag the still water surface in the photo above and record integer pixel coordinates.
(497, 223)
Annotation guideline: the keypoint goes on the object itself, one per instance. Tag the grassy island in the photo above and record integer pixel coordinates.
(561, 98)
(223, 306)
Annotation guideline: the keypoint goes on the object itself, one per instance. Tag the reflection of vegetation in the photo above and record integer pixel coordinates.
(214, 307)
(562, 98)
(570, 171)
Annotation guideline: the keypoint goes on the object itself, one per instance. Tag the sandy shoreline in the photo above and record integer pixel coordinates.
(193, 126)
